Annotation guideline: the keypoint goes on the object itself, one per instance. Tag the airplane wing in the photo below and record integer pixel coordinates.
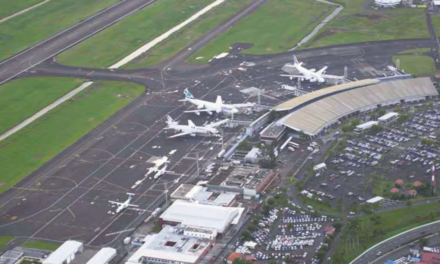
(200, 110)
(321, 71)
(219, 123)
(328, 76)
(113, 202)
(243, 105)
(180, 134)
(132, 205)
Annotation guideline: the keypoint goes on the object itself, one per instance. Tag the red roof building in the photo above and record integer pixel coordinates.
(412, 192)
(429, 258)
(233, 256)
(399, 182)
(394, 190)
(329, 230)
(417, 183)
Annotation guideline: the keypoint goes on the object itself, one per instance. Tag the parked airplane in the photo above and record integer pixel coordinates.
(124, 205)
(160, 167)
(192, 129)
(310, 75)
(218, 106)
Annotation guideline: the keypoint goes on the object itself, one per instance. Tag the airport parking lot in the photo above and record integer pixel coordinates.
(287, 233)
(368, 164)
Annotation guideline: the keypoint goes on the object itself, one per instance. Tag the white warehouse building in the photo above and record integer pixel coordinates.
(104, 256)
(65, 253)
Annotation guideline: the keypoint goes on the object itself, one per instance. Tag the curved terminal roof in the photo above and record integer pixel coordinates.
(312, 118)
(315, 95)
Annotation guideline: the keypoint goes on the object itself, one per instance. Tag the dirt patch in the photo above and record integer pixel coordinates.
(371, 17)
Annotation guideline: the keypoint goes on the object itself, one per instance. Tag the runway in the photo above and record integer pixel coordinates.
(56, 44)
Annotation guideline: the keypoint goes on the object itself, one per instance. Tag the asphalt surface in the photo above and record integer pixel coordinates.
(46, 49)
(67, 198)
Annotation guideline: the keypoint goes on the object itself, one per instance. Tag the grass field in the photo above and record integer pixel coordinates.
(415, 64)
(391, 223)
(39, 142)
(40, 245)
(356, 24)
(22, 98)
(436, 24)
(421, 50)
(9, 7)
(189, 34)
(38, 24)
(116, 42)
(275, 26)
(4, 240)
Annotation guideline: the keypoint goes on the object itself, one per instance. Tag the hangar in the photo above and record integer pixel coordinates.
(201, 215)
(318, 110)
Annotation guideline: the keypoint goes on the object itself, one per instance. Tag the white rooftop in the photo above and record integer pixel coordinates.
(202, 195)
(388, 116)
(253, 153)
(66, 250)
(375, 200)
(103, 256)
(170, 245)
(201, 215)
(367, 125)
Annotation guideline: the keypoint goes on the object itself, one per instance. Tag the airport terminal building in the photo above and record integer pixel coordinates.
(314, 112)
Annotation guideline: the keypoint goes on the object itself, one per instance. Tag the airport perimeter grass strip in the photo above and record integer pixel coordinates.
(276, 26)
(10, 7)
(4, 240)
(358, 23)
(42, 245)
(188, 35)
(31, 147)
(45, 21)
(121, 39)
(417, 65)
(22, 98)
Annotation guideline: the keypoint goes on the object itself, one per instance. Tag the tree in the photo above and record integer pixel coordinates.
(246, 235)
(423, 242)
(271, 202)
(376, 128)
(289, 225)
(337, 226)
(241, 261)
(287, 258)
(268, 159)
(382, 112)
(408, 203)
(272, 262)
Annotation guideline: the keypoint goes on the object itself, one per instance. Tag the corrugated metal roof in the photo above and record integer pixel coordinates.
(312, 118)
(303, 99)
(202, 215)
(67, 249)
(103, 256)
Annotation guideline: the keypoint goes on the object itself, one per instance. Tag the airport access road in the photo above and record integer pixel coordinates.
(389, 245)
(56, 44)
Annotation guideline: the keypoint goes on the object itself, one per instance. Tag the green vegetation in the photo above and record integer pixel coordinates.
(382, 188)
(39, 142)
(10, 7)
(22, 98)
(275, 26)
(421, 50)
(415, 65)
(357, 24)
(4, 240)
(40, 245)
(40, 23)
(189, 34)
(363, 232)
(116, 42)
(320, 206)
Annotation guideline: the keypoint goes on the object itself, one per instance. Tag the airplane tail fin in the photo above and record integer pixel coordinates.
(190, 123)
(218, 101)
(188, 94)
(170, 121)
(295, 60)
